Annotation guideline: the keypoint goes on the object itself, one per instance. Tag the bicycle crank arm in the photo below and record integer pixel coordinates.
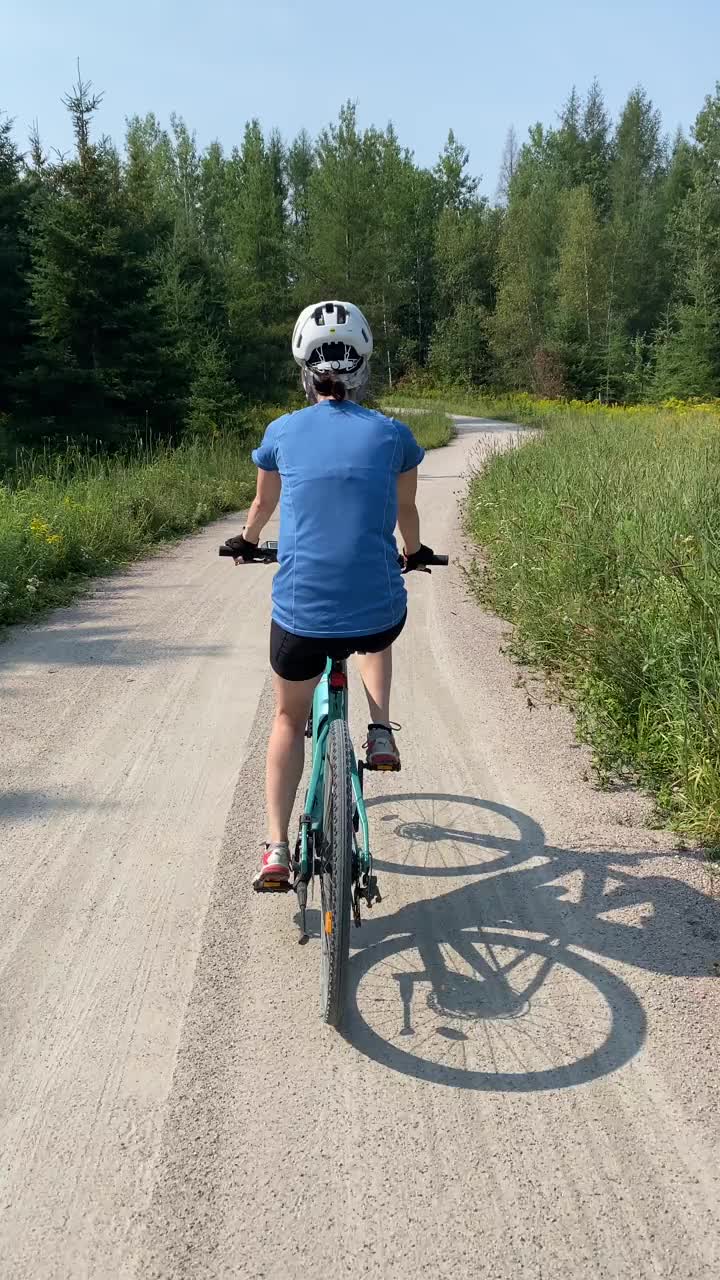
(301, 891)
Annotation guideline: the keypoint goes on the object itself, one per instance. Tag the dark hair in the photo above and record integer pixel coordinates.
(325, 385)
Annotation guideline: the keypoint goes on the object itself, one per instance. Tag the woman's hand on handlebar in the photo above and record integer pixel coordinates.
(243, 551)
(418, 559)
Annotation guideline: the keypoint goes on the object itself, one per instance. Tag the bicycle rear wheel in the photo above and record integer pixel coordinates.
(336, 873)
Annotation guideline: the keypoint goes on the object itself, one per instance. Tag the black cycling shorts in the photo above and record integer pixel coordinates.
(303, 657)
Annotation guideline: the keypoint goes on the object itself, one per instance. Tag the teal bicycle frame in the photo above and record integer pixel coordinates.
(330, 702)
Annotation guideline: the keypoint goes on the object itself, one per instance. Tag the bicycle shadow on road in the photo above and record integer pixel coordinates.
(499, 983)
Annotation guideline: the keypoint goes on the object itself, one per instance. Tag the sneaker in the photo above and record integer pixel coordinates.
(275, 865)
(381, 748)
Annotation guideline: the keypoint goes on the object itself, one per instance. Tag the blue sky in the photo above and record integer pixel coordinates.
(466, 64)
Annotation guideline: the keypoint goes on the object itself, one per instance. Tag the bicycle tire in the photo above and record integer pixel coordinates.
(336, 874)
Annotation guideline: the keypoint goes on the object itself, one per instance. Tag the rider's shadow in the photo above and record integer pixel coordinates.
(544, 911)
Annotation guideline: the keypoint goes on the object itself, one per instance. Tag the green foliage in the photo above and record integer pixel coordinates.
(456, 188)
(459, 351)
(580, 290)
(686, 352)
(367, 227)
(527, 267)
(602, 539)
(608, 261)
(214, 404)
(155, 288)
(465, 251)
(258, 306)
(103, 351)
(688, 341)
(14, 292)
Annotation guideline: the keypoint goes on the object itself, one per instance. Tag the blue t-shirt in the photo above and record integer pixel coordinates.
(339, 573)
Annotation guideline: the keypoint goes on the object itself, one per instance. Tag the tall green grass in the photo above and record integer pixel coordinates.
(66, 517)
(603, 538)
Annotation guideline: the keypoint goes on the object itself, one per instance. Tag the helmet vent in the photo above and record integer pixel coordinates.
(335, 356)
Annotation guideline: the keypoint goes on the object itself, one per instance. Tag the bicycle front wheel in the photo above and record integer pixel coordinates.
(336, 873)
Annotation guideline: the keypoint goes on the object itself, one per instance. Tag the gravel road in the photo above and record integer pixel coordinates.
(527, 1082)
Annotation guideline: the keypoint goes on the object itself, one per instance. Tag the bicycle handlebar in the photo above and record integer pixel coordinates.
(267, 554)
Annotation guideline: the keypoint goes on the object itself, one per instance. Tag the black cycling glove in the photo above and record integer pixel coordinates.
(418, 559)
(241, 548)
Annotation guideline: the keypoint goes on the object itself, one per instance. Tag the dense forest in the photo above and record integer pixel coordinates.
(155, 286)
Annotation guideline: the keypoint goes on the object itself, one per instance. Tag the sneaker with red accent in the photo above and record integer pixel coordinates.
(381, 748)
(275, 865)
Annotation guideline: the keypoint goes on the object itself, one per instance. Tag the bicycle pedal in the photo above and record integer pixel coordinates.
(383, 768)
(272, 886)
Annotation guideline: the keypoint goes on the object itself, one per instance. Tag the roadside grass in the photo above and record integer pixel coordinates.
(602, 535)
(432, 427)
(67, 517)
(529, 410)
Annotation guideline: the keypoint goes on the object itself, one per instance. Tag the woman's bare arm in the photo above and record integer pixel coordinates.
(408, 518)
(267, 496)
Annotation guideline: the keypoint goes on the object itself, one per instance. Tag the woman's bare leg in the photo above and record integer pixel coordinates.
(376, 675)
(286, 752)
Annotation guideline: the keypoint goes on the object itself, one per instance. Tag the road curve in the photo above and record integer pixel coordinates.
(527, 1082)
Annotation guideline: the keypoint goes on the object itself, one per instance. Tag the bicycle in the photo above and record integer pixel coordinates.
(334, 837)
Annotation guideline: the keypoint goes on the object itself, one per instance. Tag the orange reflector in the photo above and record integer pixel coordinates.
(328, 921)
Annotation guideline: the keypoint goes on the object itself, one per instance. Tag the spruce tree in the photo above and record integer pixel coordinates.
(257, 265)
(104, 361)
(15, 332)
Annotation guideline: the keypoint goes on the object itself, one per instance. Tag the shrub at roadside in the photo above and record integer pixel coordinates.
(603, 537)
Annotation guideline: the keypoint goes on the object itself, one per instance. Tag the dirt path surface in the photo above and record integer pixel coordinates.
(527, 1083)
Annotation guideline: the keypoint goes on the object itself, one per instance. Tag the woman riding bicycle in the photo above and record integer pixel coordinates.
(344, 476)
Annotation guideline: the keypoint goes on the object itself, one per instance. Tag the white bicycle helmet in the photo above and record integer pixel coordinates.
(333, 340)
